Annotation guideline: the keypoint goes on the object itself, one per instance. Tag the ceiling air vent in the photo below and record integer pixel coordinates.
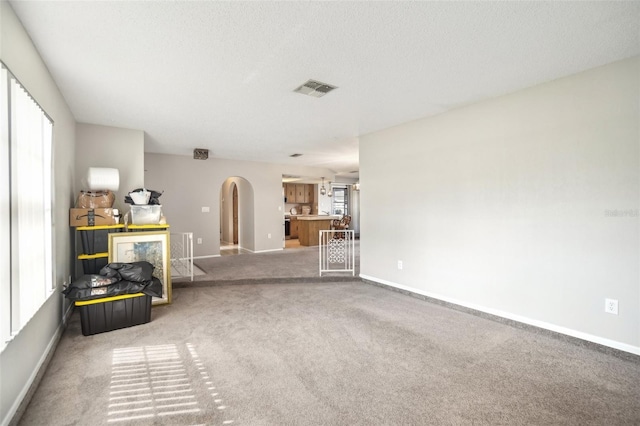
(315, 88)
(295, 155)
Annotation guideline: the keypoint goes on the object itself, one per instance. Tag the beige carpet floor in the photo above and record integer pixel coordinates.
(345, 353)
(300, 263)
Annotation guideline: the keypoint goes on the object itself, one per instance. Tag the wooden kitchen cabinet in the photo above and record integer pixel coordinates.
(298, 193)
(309, 229)
(290, 192)
(308, 194)
(301, 191)
(293, 229)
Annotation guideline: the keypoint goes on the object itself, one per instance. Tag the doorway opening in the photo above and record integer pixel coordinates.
(235, 213)
(236, 216)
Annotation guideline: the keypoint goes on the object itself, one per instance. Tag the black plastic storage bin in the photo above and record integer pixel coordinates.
(92, 263)
(112, 313)
(95, 239)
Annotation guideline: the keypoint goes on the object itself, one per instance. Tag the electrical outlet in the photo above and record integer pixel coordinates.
(268, 235)
(611, 306)
(199, 241)
(399, 264)
(205, 210)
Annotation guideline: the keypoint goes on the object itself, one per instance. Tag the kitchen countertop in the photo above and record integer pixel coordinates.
(317, 217)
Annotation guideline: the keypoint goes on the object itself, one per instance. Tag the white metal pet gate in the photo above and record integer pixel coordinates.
(337, 251)
(182, 255)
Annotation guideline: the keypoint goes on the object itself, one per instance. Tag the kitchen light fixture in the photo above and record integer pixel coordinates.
(322, 190)
(330, 193)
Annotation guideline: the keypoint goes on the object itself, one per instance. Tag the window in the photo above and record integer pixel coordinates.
(340, 203)
(26, 225)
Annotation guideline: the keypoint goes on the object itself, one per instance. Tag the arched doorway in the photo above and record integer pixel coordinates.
(237, 214)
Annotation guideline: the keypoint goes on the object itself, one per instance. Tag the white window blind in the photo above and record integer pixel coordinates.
(27, 189)
(5, 212)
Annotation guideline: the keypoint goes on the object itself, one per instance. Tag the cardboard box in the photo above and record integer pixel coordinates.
(95, 200)
(91, 217)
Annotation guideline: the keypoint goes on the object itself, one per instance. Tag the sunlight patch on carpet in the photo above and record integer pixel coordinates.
(158, 382)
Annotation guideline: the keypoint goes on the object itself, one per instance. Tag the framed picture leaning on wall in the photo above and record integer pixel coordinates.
(127, 247)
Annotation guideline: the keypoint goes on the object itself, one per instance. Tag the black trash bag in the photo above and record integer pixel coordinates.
(116, 279)
(116, 289)
(153, 199)
(136, 271)
(154, 288)
(92, 281)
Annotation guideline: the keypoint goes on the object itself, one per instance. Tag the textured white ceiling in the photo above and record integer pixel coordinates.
(221, 75)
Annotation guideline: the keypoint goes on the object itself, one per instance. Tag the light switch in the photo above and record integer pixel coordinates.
(205, 210)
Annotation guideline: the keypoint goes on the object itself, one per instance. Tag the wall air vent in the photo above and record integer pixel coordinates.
(200, 154)
(315, 88)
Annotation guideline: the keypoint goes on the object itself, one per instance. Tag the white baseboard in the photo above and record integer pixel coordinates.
(265, 251)
(206, 257)
(536, 323)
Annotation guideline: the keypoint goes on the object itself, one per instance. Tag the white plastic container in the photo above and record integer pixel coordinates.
(145, 215)
(140, 197)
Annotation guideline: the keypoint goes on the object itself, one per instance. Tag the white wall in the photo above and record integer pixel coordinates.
(355, 211)
(507, 205)
(113, 147)
(246, 218)
(190, 184)
(21, 358)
